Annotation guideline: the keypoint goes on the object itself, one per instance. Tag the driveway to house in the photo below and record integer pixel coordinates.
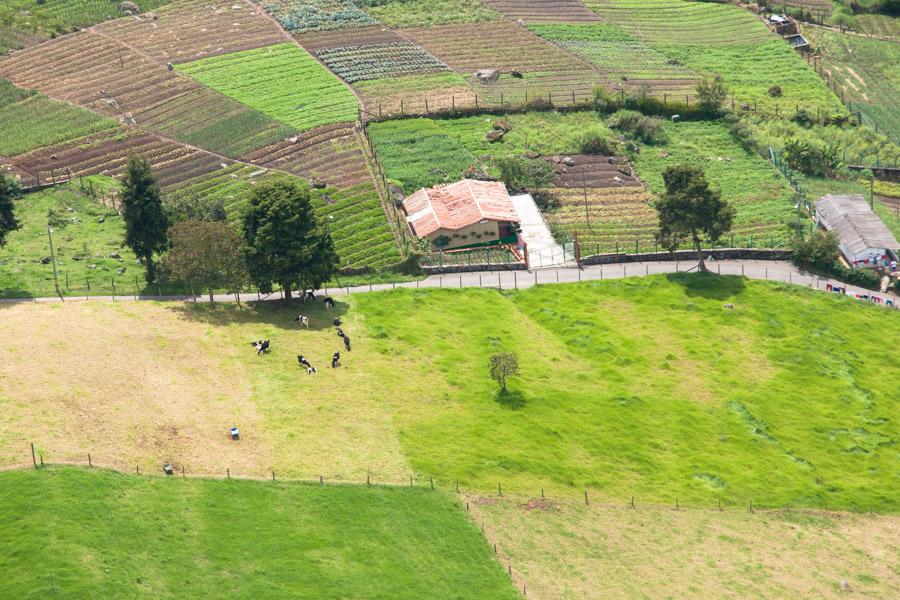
(543, 251)
(782, 271)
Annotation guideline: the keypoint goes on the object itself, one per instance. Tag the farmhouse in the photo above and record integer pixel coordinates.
(862, 236)
(465, 214)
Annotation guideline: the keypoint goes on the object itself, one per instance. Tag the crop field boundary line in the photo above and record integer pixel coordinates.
(578, 498)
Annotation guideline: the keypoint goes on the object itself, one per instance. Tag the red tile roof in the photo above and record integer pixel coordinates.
(457, 205)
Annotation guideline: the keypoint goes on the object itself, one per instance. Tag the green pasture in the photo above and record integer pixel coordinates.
(114, 536)
(281, 81)
(646, 387)
(30, 120)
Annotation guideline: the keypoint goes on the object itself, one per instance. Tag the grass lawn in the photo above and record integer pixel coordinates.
(644, 387)
(281, 81)
(103, 534)
(603, 551)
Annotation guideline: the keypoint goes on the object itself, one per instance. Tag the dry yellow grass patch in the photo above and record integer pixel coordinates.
(146, 383)
(568, 550)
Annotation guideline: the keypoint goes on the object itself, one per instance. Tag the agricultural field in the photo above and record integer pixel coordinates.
(769, 402)
(628, 63)
(544, 11)
(188, 30)
(879, 25)
(868, 71)
(85, 235)
(376, 61)
(415, 94)
(31, 120)
(603, 551)
(301, 16)
(149, 537)
(546, 70)
(267, 79)
(427, 13)
(107, 154)
(23, 22)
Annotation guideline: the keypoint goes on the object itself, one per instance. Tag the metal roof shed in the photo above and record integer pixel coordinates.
(861, 234)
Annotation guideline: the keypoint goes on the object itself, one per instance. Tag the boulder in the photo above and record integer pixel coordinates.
(495, 135)
(46, 260)
(568, 161)
(116, 256)
(487, 75)
(129, 8)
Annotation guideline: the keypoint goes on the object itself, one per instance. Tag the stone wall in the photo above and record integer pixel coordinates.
(688, 255)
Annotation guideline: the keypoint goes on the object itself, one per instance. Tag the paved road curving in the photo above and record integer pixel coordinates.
(755, 269)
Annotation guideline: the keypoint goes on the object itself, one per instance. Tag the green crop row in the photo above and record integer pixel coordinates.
(375, 61)
(30, 120)
(281, 81)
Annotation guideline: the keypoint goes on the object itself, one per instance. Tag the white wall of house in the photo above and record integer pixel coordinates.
(488, 230)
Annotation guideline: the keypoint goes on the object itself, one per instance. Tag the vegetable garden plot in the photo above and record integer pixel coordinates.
(591, 171)
(29, 120)
(282, 81)
(300, 16)
(604, 217)
(508, 47)
(331, 154)
(208, 119)
(172, 163)
(338, 38)
(681, 22)
(194, 29)
(358, 63)
(631, 64)
(545, 11)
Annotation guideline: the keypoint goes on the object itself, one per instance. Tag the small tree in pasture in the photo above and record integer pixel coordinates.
(690, 210)
(713, 93)
(206, 255)
(503, 365)
(146, 224)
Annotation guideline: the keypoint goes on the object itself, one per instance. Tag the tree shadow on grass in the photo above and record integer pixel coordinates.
(277, 313)
(708, 285)
(511, 399)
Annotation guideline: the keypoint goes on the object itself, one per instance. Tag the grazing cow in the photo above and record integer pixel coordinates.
(310, 370)
(347, 343)
(261, 346)
(329, 303)
(336, 360)
(303, 362)
(304, 320)
(676, 118)
(337, 321)
(729, 306)
(310, 295)
(340, 332)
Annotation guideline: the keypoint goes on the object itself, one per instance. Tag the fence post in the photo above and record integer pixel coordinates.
(33, 459)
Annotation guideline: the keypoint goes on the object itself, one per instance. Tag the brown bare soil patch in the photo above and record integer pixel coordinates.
(357, 36)
(593, 172)
(194, 29)
(588, 552)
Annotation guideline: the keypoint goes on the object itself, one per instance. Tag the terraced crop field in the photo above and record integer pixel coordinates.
(427, 13)
(300, 16)
(625, 60)
(188, 30)
(868, 70)
(415, 94)
(546, 70)
(108, 154)
(544, 11)
(281, 81)
(879, 25)
(30, 120)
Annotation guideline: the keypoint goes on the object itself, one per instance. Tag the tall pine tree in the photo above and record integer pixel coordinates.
(9, 191)
(146, 224)
(283, 242)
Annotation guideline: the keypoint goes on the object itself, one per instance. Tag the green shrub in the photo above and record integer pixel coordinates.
(819, 251)
(523, 175)
(596, 143)
(646, 129)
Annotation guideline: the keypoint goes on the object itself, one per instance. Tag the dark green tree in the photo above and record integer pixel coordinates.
(690, 210)
(146, 224)
(206, 255)
(712, 93)
(9, 191)
(283, 243)
(502, 366)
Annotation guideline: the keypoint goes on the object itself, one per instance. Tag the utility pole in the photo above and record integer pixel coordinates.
(53, 262)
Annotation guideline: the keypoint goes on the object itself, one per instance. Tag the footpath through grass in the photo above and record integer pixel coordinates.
(128, 536)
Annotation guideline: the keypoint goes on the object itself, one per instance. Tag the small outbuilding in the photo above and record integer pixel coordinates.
(863, 237)
(466, 214)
